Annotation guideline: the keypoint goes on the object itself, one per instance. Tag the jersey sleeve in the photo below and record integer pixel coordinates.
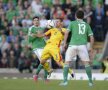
(30, 38)
(69, 27)
(48, 32)
(89, 31)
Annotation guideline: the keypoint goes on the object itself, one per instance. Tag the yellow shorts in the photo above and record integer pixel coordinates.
(51, 51)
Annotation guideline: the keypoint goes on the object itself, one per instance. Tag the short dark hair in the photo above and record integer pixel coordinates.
(35, 17)
(80, 14)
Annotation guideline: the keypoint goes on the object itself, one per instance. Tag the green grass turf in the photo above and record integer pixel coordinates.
(21, 84)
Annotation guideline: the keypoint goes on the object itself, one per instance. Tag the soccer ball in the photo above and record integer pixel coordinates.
(50, 24)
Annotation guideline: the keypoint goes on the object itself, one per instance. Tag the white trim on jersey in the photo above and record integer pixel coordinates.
(90, 34)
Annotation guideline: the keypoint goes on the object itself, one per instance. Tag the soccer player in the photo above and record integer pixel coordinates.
(37, 43)
(80, 31)
(52, 48)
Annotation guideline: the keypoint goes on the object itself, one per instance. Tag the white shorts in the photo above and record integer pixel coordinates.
(38, 53)
(80, 50)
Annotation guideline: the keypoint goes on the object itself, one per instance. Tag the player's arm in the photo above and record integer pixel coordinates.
(91, 41)
(90, 34)
(38, 35)
(66, 33)
(42, 34)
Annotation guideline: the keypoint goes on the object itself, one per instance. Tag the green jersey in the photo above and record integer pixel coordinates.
(36, 42)
(80, 31)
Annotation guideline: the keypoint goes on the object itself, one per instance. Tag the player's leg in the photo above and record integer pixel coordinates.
(83, 53)
(70, 70)
(70, 53)
(38, 52)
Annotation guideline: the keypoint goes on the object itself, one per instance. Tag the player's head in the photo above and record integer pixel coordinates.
(36, 21)
(59, 22)
(79, 14)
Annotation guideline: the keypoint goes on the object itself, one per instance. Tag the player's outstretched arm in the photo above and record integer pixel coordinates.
(65, 37)
(91, 45)
(38, 35)
(91, 41)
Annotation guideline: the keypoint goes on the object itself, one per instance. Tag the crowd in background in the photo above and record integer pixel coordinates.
(16, 17)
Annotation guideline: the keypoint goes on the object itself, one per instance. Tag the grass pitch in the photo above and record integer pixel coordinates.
(26, 84)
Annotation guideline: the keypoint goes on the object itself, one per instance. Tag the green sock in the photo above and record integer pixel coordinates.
(65, 72)
(89, 73)
(45, 74)
(39, 69)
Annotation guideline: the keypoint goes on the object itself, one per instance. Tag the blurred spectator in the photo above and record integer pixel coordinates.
(10, 13)
(88, 12)
(66, 21)
(48, 2)
(5, 25)
(52, 12)
(59, 13)
(99, 32)
(23, 63)
(96, 2)
(56, 3)
(17, 52)
(96, 62)
(11, 59)
(43, 21)
(67, 5)
(15, 29)
(4, 60)
(3, 44)
(37, 7)
(26, 5)
(70, 15)
(1, 9)
(24, 28)
(9, 48)
(29, 12)
(46, 11)
(11, 37)
(106, 5)
(27, 20)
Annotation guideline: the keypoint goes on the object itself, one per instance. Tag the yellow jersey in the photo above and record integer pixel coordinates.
(55, 36)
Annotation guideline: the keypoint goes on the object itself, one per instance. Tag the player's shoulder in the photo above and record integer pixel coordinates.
(86, 23)
(52, 29)
(31, 27)
(73, 22)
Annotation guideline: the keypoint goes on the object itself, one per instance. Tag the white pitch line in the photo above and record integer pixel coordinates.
(30, 78)
(5, 77)
(25, 78)
(14, 77)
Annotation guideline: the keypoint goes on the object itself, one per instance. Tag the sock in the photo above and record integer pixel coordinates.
(39, 69)
(45, 74)
(70, 70)
(88, 72)
(47, 67)
(65, 72)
